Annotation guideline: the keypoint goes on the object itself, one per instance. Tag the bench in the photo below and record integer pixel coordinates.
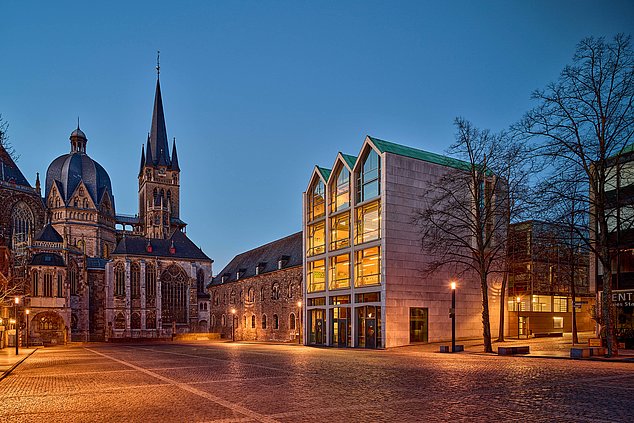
(514, 350)
(586, 352)
(447, 348)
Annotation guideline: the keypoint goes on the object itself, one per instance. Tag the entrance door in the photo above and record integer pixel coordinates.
(319, 331)
(417, 324)
(342, 332)
(370, 333)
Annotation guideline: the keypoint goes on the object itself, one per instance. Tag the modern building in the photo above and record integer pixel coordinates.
(258, 295)
(544, 258)
(619, 191)
(365, 284)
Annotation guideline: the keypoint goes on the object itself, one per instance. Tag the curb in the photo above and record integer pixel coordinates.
(562, 357)
(10, 369)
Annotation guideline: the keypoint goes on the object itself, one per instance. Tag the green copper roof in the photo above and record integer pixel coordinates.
(350, 160)
(414, 153)
(325, 173)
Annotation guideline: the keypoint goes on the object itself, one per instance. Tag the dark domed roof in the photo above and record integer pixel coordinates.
(68, 170)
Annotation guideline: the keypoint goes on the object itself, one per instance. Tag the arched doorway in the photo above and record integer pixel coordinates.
(49, 328)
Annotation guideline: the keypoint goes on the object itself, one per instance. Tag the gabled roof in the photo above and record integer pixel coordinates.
(325, 173)
(47, 259)
(350, 160)
(137, 246)
(288, 249)
(414, 153)
(48, 234)
(9, 171)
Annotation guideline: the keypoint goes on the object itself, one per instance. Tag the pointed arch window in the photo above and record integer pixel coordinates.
(316, 200)
(200, 279)
(119, 280)
(174, 294)
(60, 284)
(35, 283)
(253, 321)
(135, 280)
(48, 284)
(21, 225)
(369, 177)
(150, 280)
(263, 321)
(72, 279)
(276, 322)
(340, 191)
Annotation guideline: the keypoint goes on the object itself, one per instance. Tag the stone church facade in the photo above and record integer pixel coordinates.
(77, 267)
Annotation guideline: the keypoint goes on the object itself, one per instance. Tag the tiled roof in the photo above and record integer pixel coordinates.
(137, 246)
(48, 234)
(47, 259)
(288, 249)
(414, 153)
(9, 171)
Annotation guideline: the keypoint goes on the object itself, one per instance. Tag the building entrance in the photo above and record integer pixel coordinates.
(418, 324)
(369, 327)
(340, 329)
(316, 322)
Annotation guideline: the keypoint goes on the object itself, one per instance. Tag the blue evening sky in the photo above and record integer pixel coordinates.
(258, 92)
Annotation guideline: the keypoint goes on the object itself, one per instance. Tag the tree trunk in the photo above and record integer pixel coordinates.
(486, 324)
(502, 307)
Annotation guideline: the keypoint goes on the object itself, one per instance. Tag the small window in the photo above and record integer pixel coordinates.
(223, 320)
(253, 321)
(291, 321)
(275, 291)
(276, 322)
(558, 322)
(264, 321)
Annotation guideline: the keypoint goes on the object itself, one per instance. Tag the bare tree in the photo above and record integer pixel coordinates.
(4, 140)
(584, 121)
(464, 218)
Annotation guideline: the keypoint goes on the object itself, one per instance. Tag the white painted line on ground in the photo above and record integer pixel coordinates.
(227, 404)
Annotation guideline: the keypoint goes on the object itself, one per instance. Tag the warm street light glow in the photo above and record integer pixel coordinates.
(17, 300)
(27, 311)
(518, 299)
(299, 304)
(453, 285)
(12, 321)
(233, 311)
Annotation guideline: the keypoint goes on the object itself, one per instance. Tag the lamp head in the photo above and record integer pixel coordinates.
(17, 300)
(299, 304)
(453, 286)
(233, 311)
(518, 299)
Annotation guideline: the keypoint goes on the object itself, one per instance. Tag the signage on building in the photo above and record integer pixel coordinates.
(623, 298)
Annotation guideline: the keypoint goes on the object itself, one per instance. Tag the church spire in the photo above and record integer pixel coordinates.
(142, 160)
(158, 133)
(174, 165)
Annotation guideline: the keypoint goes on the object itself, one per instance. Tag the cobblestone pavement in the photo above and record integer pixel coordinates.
(288, 383)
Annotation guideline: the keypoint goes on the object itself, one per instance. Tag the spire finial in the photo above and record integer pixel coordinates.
(77, 121)
(158, 63)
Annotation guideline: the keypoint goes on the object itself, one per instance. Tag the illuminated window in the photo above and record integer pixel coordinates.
(316, 200)
(542, 303)
(367, 267)
(340, 231)
(339, 272)
(560, 304)
(316, 275)
(368, 180)
(119, 280)
(558, 322)
(135, 280)
(340, 191)
(316, 238)
(174, 294)
(368, 223)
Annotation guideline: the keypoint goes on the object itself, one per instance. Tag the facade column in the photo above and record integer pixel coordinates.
(159, 311)
(143, 296)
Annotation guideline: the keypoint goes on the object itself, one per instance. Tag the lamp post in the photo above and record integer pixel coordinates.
(299, 322)
(233, 324)
(517, 302)
(15, 307)
(453, 317)
(26, 336)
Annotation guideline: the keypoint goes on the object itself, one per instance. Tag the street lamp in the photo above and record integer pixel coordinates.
(299, 322)
(233, 324)
(518, 300)
(453, 317)
(17, 301)
(27, 311)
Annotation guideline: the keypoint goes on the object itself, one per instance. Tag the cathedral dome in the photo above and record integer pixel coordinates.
(68, 170)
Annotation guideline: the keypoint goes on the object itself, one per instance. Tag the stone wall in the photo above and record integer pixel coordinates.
(285, 307)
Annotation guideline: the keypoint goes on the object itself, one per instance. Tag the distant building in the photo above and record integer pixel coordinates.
(263, 287)
(363, 264)
(543, 261)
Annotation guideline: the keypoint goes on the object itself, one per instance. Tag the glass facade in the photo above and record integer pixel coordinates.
(368, 181)
(340, 191)
(316, 275)
(368, 223)
(316, 239)
(339, 272)
(340, 231)
(316, 201)
(367, 267)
